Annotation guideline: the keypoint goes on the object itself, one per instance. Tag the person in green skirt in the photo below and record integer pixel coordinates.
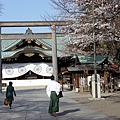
(9, 94)
(53, 89)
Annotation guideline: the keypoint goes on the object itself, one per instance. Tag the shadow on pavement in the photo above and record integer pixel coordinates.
(67, 111)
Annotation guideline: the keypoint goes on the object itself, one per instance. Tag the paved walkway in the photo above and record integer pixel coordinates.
(32, 104)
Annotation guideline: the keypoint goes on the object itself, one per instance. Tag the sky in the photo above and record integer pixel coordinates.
(25, 10)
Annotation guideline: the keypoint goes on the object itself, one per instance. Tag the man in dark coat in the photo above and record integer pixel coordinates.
(9, 94)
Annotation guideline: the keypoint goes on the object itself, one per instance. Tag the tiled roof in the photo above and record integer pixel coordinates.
(82, 67)
(61, 43)
(7, 44)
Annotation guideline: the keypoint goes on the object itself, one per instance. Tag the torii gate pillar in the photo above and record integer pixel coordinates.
(54, 53)
(0, 64)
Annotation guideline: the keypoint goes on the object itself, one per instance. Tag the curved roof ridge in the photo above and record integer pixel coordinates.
(44, 43)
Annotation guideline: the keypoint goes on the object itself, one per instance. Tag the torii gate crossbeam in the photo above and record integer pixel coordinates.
(28, 36)
(32, 23)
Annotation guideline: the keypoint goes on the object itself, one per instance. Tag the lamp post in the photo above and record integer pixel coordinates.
(95, 70)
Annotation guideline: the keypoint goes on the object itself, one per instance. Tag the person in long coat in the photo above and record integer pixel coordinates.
(53, 89)
(9, 94)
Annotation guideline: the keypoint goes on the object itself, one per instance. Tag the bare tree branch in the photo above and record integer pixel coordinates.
(1, 7)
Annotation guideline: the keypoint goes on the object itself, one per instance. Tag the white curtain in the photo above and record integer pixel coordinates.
(18, 69)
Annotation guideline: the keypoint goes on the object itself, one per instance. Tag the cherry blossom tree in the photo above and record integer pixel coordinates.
(100, 18)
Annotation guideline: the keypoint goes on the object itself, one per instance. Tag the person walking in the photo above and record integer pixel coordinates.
(53, 89)
(90, 86)
(9, 94)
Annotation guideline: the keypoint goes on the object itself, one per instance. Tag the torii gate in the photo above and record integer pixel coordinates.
(51, 24)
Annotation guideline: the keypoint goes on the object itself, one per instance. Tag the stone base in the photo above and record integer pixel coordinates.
(77, 90)
(81, 89)
(96, 98)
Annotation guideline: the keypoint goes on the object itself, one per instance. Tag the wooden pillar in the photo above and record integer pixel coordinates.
(73, 80)
(0, 64)
(54, 53)
(105, 77)
(77, 82)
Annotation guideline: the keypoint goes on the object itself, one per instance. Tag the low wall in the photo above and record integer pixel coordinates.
(24, 83)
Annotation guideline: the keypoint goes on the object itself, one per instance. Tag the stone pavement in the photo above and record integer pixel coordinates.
(32, 104)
